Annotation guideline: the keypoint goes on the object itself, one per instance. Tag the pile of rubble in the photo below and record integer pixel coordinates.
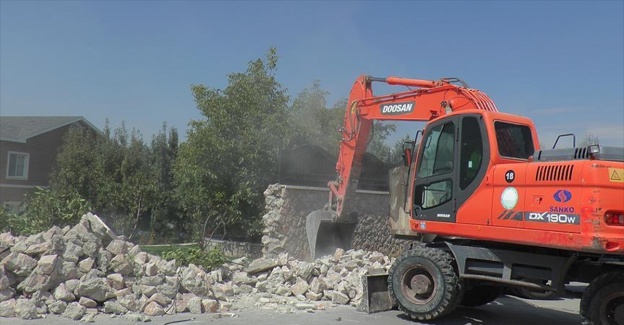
(85, 270)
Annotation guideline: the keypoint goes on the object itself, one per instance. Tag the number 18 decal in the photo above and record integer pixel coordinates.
(510, 176)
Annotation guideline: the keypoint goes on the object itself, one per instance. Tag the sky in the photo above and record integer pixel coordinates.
(560, 63)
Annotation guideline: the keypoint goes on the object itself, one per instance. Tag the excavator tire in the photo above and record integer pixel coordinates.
(602, 302)
(424, 283)
(479, 295)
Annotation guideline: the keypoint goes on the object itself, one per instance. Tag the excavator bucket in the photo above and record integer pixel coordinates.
(376, 296)
(325, 234)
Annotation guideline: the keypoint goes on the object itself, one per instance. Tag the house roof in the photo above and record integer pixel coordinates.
(22, 128)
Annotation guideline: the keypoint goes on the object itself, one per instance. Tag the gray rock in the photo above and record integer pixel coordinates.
(300, 287)
(152, 280)
(92, 274)
(48, 263)
(69, 271)
(40, 298)
(4, 251)
(117, 247)
(210, 305)
(6, 294)
(154, 309)
(57, 307)
(35, 239)
(116, 281)
(260, 265)
(131, 303)
(96, 289)
(38, 249)
(137, 317)
(114, 307)
(99, 228)
(195, 305)
(20, 247)
(339, 298)
(147, 290)
(7, 308)
(243, 278)
(73, 252)
(103, 259)
(167, 267)
(6, 239)
(36, 281)
(150, 269)
(140, 258)
(123, 292)
(196, 281)
(87, 303)
(159, 298)
(224, 289)
(89, 317)
(19, 263)
(72, 285)
(4, 278)
(171, 287)
(313, 296)
(121, 264)
(86, 265)
(90, 248)
(74, 311)
(318, 285)
(25, 309)
(135, 250)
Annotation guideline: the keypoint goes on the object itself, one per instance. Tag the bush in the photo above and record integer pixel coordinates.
(43, 209)
(209, 259)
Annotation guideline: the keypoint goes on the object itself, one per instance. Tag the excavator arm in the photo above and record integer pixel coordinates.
(424, 101)
(429, 100)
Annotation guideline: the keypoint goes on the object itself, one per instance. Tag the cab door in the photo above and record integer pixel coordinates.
(435, 183)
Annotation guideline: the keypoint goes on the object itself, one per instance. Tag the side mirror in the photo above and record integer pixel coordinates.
(407, 156)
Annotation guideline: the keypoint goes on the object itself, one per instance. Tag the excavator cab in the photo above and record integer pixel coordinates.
(452, 161)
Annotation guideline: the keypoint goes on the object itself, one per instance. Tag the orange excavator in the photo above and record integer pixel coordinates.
(484, 207)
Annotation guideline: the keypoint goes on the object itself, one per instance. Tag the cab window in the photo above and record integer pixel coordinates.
(514, 141)
(437, 156)
(471, 151)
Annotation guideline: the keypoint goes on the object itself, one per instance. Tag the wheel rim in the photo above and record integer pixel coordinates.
(418, 284)
(612, 309)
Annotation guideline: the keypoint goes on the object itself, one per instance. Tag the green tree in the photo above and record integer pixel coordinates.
(312, 122)
(121, 178)
(165, 216)
(230, 155)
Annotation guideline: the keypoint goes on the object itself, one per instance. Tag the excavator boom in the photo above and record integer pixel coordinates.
(424, 101)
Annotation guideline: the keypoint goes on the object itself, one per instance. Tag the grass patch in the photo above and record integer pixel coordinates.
(189, 254)
(161, 249)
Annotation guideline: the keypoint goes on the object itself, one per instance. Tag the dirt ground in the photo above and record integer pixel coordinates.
(506, 310)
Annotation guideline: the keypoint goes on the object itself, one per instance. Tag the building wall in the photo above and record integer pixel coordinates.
(43, 150)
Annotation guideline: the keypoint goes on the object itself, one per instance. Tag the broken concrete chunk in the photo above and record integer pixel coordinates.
(74, 311)
(25, 309)
(261, 264)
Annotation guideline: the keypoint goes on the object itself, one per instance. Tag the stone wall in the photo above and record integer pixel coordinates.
(287, 207)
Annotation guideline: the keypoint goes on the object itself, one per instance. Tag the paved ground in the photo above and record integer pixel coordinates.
(504, 311)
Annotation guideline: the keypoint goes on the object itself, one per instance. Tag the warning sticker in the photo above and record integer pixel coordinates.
(616, 175)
